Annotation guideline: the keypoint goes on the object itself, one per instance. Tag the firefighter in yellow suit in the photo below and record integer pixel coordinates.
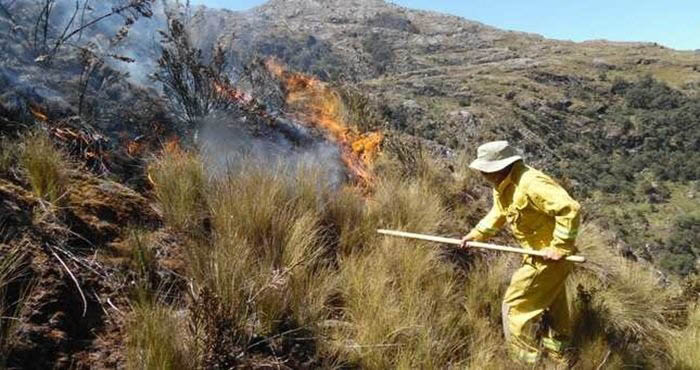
(542, 216)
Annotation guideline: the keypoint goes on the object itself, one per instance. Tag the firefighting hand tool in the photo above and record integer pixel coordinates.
(439, 239)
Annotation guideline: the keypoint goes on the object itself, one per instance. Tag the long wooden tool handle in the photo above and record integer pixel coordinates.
(439, 239)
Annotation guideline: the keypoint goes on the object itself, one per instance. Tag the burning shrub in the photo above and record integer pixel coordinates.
(191, 85)
(45, 167)
(321, 107)
(306, 53)
(360, 110)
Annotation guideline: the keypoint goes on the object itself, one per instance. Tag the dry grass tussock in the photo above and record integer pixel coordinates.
(180, 187)
(685, 345)
(623, 307)
(13, 290)
(482, 293)
(8, 154)
(45, 167)
(156, 339)
(402, 302)
(455, 184)
(402, 310)
(266, 264)
(291, 262)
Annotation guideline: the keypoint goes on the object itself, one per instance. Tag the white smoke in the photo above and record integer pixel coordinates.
(227, 147)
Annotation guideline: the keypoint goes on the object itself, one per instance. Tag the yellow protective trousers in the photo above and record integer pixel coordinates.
(537, 286)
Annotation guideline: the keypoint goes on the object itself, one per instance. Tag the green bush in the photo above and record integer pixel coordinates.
(682, 249)
(648, 93)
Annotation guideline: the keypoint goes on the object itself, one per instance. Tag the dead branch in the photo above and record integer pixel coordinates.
(75, 280)
(133, 9)
(605, 359)
(7, 13)
(109, 302)
(192, 86)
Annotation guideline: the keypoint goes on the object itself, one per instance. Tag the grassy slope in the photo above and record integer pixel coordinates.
(296, 274)
(284, 273)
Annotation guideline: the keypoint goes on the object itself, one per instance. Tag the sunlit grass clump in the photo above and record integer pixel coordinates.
(180, 187)
(155, 339)
(45, 167)
(15, 284)
(684, 346)
(289, 260)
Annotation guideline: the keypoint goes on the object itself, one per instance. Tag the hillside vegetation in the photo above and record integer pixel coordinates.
(290, 266)
(199, 218)
(617, 122)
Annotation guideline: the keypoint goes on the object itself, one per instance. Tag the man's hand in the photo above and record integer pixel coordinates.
(467, 238)
(551, 254)
(472, 236)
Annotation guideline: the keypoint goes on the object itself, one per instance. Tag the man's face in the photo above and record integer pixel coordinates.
(494, 178)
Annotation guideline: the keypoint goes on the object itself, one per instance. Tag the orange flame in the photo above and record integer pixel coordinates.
(172, 146)
(38, 114)
(321, 107)
(232, 94)
(134, 148)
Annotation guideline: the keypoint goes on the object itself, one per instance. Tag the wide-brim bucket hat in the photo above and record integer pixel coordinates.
(494, 156)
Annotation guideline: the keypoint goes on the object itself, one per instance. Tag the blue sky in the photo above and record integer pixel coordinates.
(674, 23)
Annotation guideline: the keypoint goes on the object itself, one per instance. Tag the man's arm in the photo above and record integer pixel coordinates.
(487, 227)
(552, 199)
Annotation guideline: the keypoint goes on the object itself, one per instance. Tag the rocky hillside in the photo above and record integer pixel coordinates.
(620, 119)
(198, 188)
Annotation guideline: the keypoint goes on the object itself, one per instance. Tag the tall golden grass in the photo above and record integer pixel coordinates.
(684, 347)
(180, 187)
(8, 154)
(156, 339)
(45, 167)
(623, 307)
(292, 259)
(14, 287)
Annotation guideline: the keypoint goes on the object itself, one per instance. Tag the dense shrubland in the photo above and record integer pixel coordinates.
(636, 163)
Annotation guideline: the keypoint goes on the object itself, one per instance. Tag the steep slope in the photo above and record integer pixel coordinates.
(606, 117)
(122, 246)
(446, 78)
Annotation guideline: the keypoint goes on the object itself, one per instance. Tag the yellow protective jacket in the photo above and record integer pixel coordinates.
(540, 212)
